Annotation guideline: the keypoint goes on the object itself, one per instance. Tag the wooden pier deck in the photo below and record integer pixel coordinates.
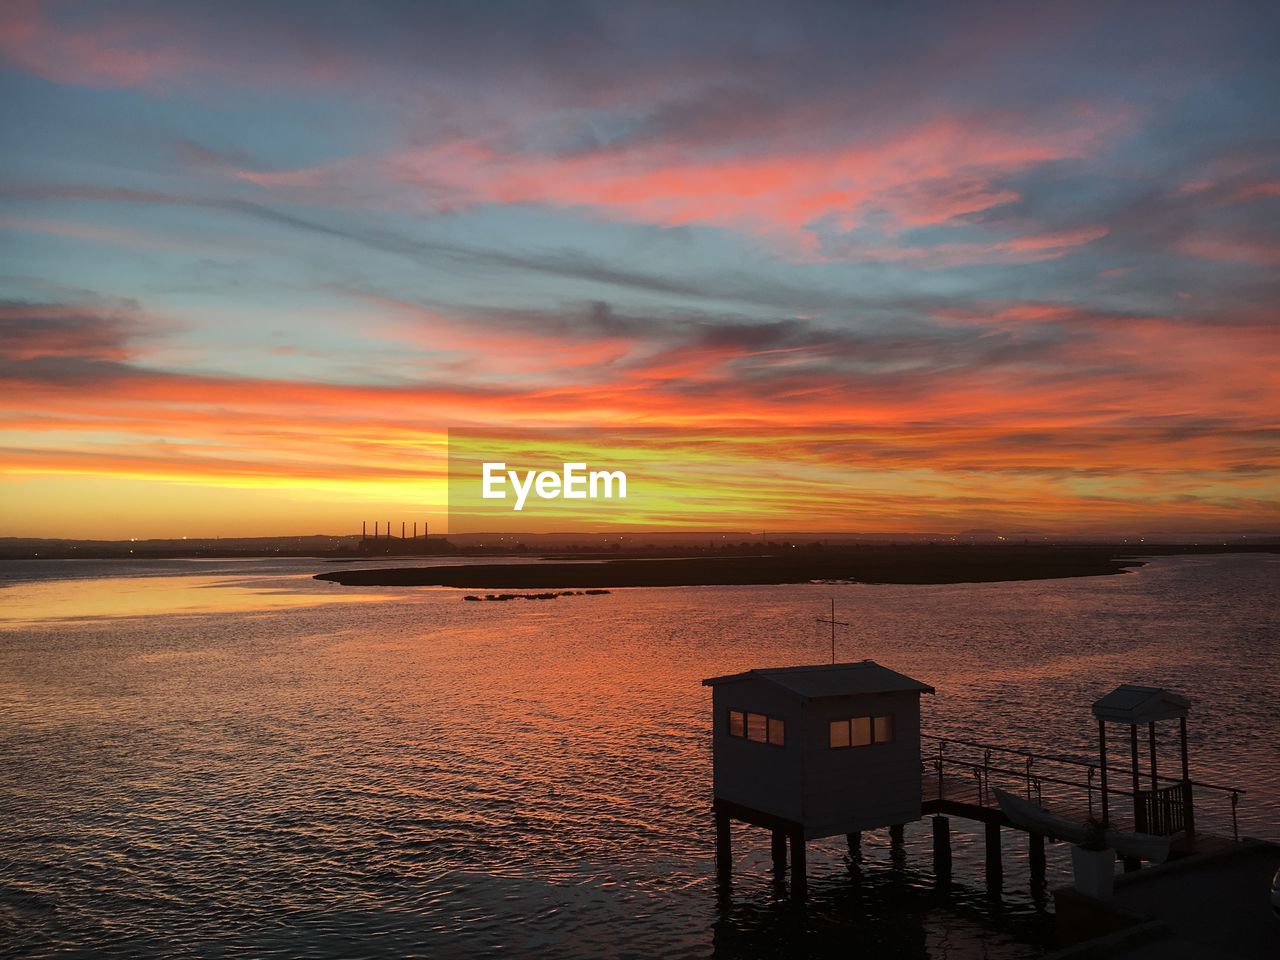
(961, 796)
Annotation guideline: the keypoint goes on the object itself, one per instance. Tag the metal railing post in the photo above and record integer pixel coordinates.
(1165, 810)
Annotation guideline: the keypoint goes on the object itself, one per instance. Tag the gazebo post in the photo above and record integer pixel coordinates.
(1102, 760)
(1151, 740)
(1137, 706)
(1188, 807)
(1139, 821)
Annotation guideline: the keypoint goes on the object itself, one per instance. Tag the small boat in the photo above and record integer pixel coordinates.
(1036, 819)
(1141, 846)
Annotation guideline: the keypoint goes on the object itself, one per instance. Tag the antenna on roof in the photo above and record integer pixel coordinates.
(834, 623)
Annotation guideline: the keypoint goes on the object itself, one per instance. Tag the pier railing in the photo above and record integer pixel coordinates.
(966, 770)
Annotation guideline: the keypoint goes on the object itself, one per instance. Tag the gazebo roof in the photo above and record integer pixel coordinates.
(1130, 703)
(830, 680)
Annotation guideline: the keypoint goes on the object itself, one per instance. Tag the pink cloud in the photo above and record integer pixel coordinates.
(1265, 189)
(95, 233)
(107, 52)
(924, 175)
(111, 45)
(467, 346)
(1026, 248)
(1239, 249)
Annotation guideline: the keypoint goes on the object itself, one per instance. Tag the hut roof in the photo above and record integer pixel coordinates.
(830, 680)
(1130, 703)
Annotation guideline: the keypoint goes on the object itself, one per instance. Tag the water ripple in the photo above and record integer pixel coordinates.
(420, 776)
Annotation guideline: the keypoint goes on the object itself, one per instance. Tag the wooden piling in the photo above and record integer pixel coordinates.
(941, 846)
(724, 845)
(897, 846)
(799, 866)
(855, 844)
(779, 851)
(1035, 851)
(995, 863)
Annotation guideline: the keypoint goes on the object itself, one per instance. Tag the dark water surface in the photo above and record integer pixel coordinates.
(232, 759)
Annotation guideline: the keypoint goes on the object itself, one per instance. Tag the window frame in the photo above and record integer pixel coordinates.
(872, 729)
(770, 720)
(768, 731)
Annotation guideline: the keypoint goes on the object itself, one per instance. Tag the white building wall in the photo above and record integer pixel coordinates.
(861, 788)
(829, 791)
(762, 776)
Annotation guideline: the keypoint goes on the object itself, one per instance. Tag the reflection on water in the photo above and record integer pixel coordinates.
(35, 603)
(272, 765)
(38, 593)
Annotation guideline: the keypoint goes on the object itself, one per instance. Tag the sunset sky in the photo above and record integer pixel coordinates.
(917, 267)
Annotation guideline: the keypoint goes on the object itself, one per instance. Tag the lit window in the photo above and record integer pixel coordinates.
(777, 733)
(737, 723)
(839, 733)
(759, 727)
(861, 731)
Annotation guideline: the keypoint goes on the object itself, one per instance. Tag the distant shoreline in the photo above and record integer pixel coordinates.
(873, 565)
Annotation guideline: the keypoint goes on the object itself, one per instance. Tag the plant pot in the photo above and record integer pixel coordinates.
(1095, 871)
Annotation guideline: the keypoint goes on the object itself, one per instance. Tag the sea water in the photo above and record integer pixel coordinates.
(231, 758)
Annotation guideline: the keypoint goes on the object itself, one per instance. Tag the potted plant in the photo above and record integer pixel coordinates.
(1093, 862)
